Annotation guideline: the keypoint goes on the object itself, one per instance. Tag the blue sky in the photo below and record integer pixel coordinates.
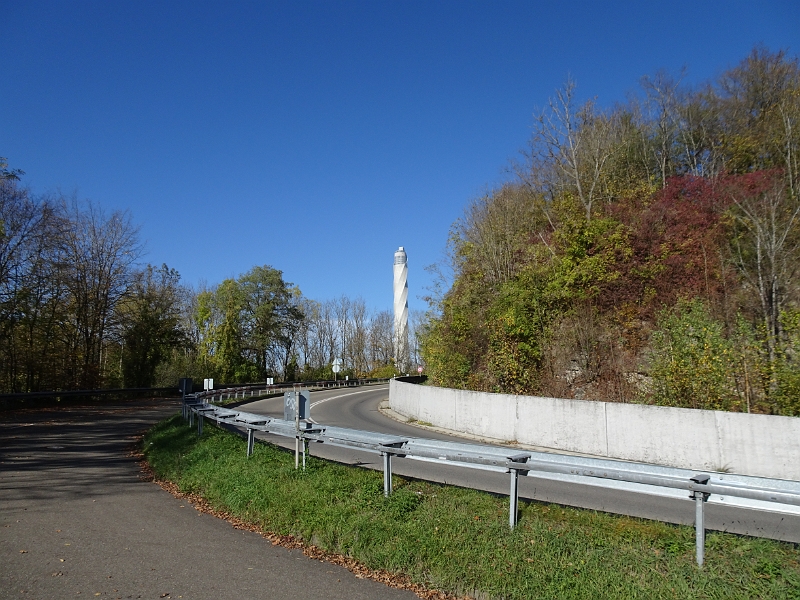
(317, 137)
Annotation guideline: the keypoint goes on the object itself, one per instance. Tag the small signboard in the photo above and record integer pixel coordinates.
(290, 401)
(419, 369)
(270, 381)
(337, 365)
(208, 384)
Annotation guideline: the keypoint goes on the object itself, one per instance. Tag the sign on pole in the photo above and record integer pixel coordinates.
(294, 400)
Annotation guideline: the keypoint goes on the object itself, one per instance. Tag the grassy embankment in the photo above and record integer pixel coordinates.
(457, 539)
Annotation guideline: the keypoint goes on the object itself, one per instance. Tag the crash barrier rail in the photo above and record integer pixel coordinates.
(298, 425)
(244, 392)
(19, 399)
(70, 393)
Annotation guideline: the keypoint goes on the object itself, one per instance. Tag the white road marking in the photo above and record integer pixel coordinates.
(340, 396)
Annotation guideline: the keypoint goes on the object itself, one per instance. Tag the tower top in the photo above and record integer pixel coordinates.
(400, 257)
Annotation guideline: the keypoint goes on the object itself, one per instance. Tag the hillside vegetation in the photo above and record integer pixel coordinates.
(643, 253)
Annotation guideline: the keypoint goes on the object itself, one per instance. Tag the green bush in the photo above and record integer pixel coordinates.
(692, 360)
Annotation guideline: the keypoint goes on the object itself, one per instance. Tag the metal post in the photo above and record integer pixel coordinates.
(513, 498)
(699, 525)
(251, 439)
(387, 473)
(700, 499)
(199, 424)
(296, 430)
(305, 449)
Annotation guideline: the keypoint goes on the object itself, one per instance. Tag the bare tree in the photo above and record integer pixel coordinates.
(497, 227)
(767, 250)
(99, 254)
(31, 290)
(572, 145)
(381, 341)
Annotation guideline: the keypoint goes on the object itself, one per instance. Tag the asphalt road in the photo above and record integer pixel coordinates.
(77, 521)
(359, 409)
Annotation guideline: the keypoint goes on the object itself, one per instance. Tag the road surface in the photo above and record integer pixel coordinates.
(77, 521)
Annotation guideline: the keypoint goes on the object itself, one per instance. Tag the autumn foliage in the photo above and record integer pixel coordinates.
(647, 253)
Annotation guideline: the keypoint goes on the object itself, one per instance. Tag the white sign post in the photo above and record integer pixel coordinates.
(337, 366)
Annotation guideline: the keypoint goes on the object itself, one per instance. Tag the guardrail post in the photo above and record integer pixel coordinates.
(513, 498)
(199, 424)
(251, 439)
(387, 473)
(700, 498)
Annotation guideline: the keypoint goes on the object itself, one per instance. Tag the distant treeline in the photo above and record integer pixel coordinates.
(79, 311)
(648, 252)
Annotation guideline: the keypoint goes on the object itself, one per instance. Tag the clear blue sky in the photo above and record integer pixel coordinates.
(317, 137)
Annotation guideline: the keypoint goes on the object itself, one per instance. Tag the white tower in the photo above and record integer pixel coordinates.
(401, 309)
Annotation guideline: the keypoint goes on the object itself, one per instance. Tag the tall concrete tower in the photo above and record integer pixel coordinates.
(401, 309)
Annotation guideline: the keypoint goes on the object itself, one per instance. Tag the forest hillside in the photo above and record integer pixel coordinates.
(643, 253)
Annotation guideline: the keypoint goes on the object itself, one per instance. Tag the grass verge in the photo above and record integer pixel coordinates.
(458, 540)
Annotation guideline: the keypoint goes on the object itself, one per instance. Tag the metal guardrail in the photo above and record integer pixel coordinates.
(509, 460)
(244, 392)
(73, 393)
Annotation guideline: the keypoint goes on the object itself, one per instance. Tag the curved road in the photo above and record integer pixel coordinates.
(358, 409)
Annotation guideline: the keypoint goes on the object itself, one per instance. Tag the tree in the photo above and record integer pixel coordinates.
(32, 303)
(271, 319)
(249, 326)
(572, 147)
(758, 106)
(99, 253)
(9, 174)
(766, 248)
(150, 319)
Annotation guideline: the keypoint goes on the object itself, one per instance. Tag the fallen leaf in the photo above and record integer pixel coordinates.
(23, 551)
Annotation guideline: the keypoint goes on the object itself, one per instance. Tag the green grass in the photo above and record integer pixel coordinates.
(457, 539)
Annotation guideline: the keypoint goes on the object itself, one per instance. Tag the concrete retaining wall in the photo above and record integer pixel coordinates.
(759, 445)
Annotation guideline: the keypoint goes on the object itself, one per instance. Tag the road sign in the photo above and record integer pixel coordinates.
(337, 365)
(293, 400)
(419, 369)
